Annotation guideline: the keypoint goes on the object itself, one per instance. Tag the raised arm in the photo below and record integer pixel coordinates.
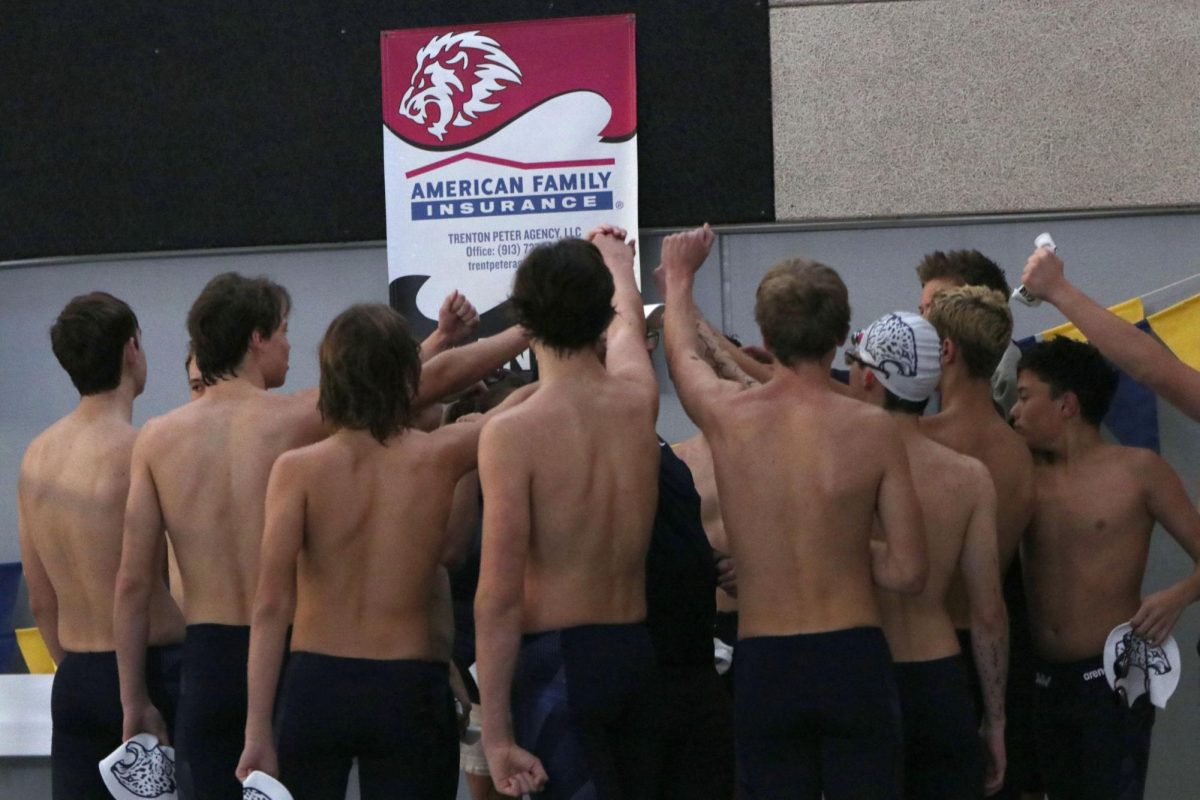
(695, 381)
(43, 600)
(727, 360)
(457, 320)
(725, 357)
(140, 546)
(1168, 503)
(899, 562)
(505, 476)
(455, 370)
(274, 606)
(980, 567)
(625, 340)
(1133, 351)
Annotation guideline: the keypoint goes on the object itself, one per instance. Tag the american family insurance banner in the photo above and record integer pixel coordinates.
(497, 138)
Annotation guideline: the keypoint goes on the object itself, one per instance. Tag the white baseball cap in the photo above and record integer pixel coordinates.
(904, 351)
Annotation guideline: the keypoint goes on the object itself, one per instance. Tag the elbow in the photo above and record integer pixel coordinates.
(270, 611)
(915, 575)
(916, 578)
(990, 619)
(44, 611)
(132, 592)
(491, 609)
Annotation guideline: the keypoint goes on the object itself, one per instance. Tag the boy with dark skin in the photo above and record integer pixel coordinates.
(894, 365)
(212, 504)
(1133, 351)
(1085, 557)
(355, 537)
(811, 657)
(569, 482)
(71, 498)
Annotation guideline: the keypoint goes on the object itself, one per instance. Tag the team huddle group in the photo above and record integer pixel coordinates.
(427, 564)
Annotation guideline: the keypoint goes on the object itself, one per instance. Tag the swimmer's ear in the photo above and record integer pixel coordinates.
(1069, 403)
(949, 352)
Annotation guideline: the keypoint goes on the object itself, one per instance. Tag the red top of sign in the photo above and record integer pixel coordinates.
(448, 87)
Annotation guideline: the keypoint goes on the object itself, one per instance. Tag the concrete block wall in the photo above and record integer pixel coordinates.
(886, 109)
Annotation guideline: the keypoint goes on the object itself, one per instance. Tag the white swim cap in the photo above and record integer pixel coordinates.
(904, 351)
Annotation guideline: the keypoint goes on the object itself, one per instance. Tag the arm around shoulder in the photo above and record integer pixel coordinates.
(901, 564)
(457, 369)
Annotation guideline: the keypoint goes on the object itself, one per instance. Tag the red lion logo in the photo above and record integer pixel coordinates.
(456, 75)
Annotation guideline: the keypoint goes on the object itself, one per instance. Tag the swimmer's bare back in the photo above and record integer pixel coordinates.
(585, 455)
(988, 438)
(801, 471)
(374, 534)
(205, 466)
(73, 487)
(955, 493)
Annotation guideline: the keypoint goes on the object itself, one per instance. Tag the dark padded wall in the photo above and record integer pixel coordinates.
(132, 126)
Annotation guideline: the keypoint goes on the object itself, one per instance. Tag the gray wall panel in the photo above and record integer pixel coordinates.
(1113, 259)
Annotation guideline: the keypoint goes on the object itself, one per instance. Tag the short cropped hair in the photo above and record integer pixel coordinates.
(89, 339)
(978, 320)
(802, 309)
(562, 295)
(370, 371)
(965, 268)
(1071, 366)
(225, 315)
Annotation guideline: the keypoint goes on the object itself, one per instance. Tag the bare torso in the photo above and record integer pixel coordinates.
(918, 627)
(1086, 553)
(798, 478)
(74, 483)
(696, 453)
(592, 458)
(989, 439)
(368, 577)
(210, 461)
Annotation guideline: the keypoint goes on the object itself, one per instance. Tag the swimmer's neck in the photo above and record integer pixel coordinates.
(554, 367)
(807, 374)
(1074, 443)
(909, 423)
(246, 375)
(962, 394)
(116, 404)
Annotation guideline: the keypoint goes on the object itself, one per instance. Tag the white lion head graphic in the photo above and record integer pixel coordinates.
(893, 343)
(150, 774)
(456, 74)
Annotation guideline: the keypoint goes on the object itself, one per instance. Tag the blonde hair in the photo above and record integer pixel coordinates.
(978, 320)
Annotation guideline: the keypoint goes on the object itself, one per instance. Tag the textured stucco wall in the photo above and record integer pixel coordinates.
(945, 106)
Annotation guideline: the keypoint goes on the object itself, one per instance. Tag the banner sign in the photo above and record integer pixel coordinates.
(497, 138)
